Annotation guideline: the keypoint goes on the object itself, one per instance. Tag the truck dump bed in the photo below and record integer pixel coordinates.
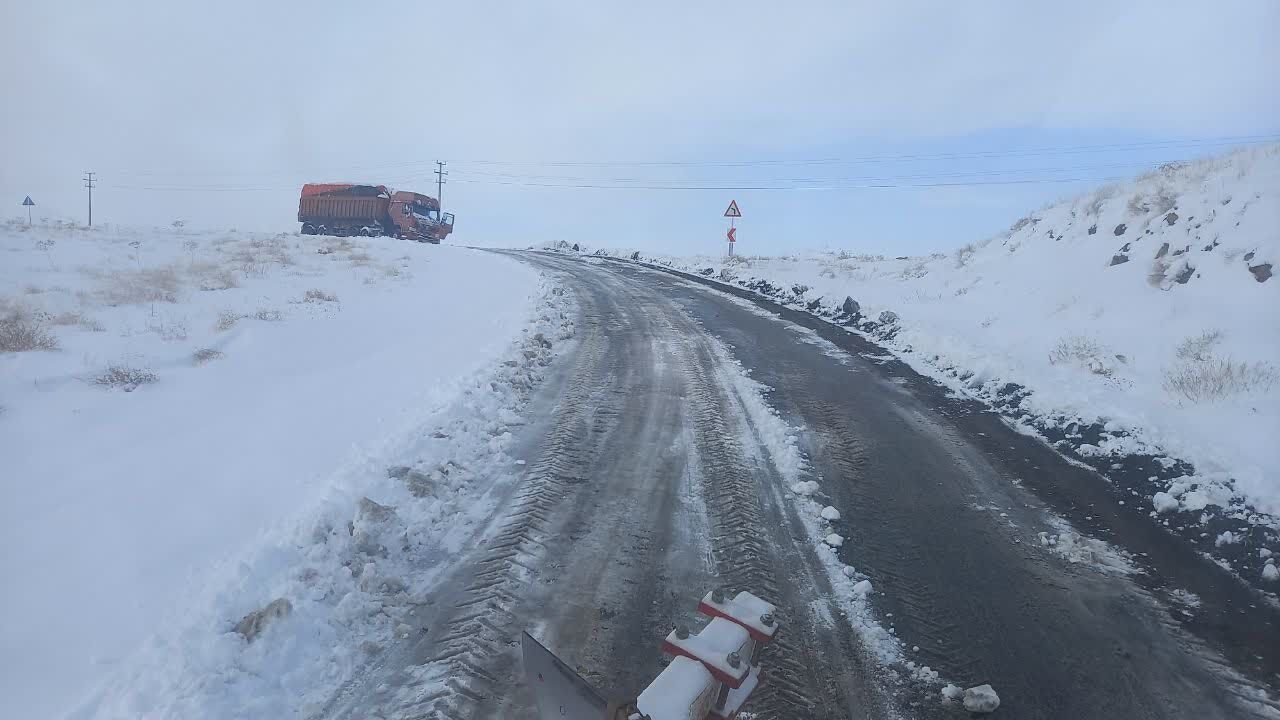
(354, 204)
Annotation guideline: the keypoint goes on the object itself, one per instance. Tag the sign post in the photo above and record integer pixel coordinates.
(28, 204)
(732, 213)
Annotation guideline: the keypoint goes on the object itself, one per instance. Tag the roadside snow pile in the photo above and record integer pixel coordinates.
(1135, 327)
(196, 478)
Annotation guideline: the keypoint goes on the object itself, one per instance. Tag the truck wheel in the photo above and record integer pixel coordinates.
(322, 230)
(366, 232)
(308, 229)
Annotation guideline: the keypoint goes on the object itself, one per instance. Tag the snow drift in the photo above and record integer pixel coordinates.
(203, 406)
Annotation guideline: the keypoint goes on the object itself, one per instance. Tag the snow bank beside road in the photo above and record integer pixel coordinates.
(286, 369)
(1147, 309)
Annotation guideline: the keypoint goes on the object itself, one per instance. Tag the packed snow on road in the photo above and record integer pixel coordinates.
(212, 438)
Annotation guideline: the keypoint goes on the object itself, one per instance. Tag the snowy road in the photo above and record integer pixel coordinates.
(652, 475)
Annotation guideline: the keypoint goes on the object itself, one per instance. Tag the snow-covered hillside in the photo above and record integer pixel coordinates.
(1148, 307)
(205, 405)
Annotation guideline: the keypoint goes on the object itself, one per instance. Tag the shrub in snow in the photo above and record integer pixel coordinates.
(24, 332)
(171, 329)
(888, 317)
(374, 529)
(1199, 348)
(916, 270)
(252, 625)
(315, 295)
(124, 377)
(1161, 201)
(204, 355)
(145, 285)
(1082, 351)
(1218, 378)
(1077, 348)
(981, 699)
(212, 278)
(227, 320)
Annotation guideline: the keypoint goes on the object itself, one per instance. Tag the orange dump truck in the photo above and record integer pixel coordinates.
(371, 210)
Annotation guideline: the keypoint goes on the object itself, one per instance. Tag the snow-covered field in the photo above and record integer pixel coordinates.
(211, 431)
(1147, 308)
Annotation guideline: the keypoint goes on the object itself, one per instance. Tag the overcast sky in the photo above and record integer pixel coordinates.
(216, 112)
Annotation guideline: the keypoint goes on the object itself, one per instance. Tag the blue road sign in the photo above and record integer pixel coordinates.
(28, 202)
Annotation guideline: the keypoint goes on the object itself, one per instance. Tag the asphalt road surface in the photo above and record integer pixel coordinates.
(649, 481)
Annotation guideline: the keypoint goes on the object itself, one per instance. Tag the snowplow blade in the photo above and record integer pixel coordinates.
(559, 692)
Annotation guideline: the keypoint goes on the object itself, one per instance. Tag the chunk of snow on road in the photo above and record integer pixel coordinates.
(952, 692)
(1164, 502)
(1076, 548)
(1226, 537)
(981, 699)
(1195, 500)
(804, 487)
(1270, 572)
(833, 540)
(1264, 553)
(862, 588)
(1185, 598)
(830, 513)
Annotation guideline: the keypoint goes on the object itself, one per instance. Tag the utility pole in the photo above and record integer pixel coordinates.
(89, 183)
(441, 174)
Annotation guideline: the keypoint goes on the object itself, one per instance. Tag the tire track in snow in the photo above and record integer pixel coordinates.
(470, 659)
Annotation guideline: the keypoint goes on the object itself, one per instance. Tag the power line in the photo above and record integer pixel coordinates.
(940, 178)
(868, 186)
(507, 178)
(912, 157)
(1168, 144)
(960, 173)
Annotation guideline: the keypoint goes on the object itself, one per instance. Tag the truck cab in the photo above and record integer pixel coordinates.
(418, 217)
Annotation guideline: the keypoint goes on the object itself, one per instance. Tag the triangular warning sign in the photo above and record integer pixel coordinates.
(733, 210)
(28, 201)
